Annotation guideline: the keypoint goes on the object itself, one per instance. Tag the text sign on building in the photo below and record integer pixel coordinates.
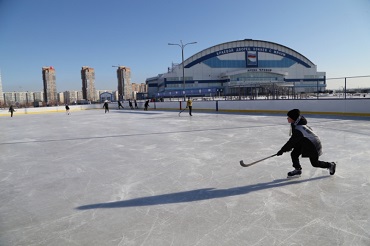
(251, 55)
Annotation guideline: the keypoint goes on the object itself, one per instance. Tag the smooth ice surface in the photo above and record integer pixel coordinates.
(132, 177)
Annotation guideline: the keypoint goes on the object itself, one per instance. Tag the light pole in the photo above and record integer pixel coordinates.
(182, 46)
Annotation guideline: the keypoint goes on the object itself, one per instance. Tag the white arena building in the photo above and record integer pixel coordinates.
(240, 68)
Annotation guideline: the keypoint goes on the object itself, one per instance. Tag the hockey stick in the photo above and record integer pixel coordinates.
(250, 164)
(182, 111)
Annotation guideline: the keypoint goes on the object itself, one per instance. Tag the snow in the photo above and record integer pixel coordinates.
(134, 177)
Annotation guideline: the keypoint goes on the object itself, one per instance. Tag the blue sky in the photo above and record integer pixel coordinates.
(69, 34)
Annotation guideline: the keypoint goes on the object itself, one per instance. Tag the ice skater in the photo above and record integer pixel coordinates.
(67, 109)
(189, 104)
(130, 104)
(106, 107)
(304, 142)
(120, 105)
(146, 105)
(11, 110)
(136, 107)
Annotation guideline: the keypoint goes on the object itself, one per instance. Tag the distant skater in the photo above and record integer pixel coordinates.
(146, 105)
(305, 142)
(120, 105)
(136, 107)
(106, 107)
(130, 104)
(67, 109)
(11, 110)
(189, 104)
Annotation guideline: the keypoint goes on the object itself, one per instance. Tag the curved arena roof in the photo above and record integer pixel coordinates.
(248, 45)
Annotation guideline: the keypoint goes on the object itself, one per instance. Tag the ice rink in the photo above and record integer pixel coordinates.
(135, 177)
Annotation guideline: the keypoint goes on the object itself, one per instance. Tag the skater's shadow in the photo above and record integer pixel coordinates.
(196, 195)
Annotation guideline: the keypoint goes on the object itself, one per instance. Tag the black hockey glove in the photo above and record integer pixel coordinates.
(280, 152)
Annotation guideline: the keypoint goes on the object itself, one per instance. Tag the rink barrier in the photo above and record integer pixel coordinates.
(348, 107)
(46, 110)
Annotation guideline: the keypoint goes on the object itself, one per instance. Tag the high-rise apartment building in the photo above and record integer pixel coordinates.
(23, 98)
(50, 88)
(124, 83)
(139, 87)
(88, 83)
(9, 98)
(61, 97)
(2, 101)
(72, 97)
(38, 96)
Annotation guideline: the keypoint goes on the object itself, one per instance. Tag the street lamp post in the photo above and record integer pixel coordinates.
(182, 46)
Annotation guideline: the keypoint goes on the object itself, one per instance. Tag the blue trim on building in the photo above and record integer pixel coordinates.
(245, 49)
(215, 62)
(304, 80)
(193, 81)
(188, 92)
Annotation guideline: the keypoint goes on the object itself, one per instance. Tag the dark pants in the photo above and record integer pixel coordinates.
(190, 109)
(313, 159)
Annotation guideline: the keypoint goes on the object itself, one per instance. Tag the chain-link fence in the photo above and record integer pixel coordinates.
(333, 88)
(353, 86)
(343, 87)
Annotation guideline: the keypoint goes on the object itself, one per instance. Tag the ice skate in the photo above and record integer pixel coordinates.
(332, 168)
(295, 173)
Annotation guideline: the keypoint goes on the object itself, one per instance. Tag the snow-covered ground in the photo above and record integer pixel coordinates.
(135, 177)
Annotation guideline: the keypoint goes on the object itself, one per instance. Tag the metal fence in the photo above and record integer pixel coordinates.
(336, 88)
(350, 86)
